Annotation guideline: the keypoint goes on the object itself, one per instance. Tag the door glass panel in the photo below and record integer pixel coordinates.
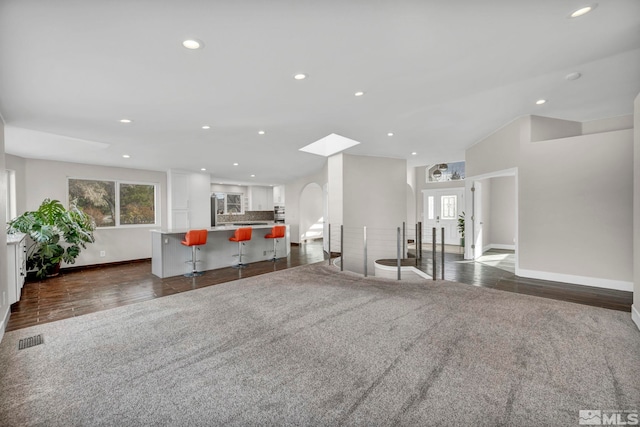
(430, 208)
(448, 207)
(234, 203)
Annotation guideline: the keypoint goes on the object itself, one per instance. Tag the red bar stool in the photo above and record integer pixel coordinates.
(194, 238)
(277, 232)
(241, 235)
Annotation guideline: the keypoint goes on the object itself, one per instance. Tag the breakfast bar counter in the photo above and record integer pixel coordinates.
(170, 258)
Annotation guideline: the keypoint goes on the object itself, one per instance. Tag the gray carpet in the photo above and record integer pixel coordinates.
(311, 346)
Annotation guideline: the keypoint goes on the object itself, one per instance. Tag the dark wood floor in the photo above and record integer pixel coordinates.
(477, 274)
(81, 291)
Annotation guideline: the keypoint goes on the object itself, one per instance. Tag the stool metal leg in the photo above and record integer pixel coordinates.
(194, 270)
(275, 257)
(240, 264)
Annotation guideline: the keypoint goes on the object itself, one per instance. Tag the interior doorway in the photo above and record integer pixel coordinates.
(492, 220)
(311, 210)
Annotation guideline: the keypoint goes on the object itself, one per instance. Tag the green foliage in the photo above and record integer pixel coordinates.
(137, 204)
(96, 199)
(57, 235)
(461, 224)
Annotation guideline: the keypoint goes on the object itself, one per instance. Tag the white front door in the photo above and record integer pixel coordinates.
(441, 210)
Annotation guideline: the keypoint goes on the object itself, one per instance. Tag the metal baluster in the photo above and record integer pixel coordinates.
(433, 251)
(365, 251)
(442, 272)
(342, 248)
(399, 262)
(329, 244)
(404, 239)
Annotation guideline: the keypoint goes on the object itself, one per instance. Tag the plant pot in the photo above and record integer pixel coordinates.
(53, 270)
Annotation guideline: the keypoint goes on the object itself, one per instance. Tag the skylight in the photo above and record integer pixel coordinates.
(329, 145)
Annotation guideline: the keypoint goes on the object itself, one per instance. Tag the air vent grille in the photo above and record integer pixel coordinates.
(30, 342)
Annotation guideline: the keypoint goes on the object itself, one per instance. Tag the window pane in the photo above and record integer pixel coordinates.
(449, 207)
(137, 204)
(431, 207)
(234, 203)
(96, 198)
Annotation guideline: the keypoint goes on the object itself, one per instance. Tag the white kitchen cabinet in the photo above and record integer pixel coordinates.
(16, 265)
(260, 198)
(178, 199)
(189, 199)
(278, 195)
(179, 191)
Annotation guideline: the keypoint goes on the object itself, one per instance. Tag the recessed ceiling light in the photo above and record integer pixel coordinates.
(192, 44)
(540, 101)
(390, 134)
(573, 76)
(359, 93)
(125, 121)
(235, 164)
(260, 132)
(206, 127)
(414, 154)
(203, 169)
(300, 76)
(253, 176)
(126, 156)
(583, 10)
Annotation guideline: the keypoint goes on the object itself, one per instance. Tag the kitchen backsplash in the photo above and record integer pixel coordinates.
(247, 216)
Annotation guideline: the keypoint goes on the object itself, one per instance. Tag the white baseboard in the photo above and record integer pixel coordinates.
(5, 321)
(499, 246)
(635, 315)
(576, 280)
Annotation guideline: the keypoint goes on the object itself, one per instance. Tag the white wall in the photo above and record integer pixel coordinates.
(293, 215)
(503, 212)
(574, 206)
(608, 124)
(48, 179)
(18, 165)
(498, 151)
(335, 189)
(311, 212)
(636, 211)
(374, 190)
(412, 208)
(546, 128)
(485, 216)
(200, 200)
(4, 285)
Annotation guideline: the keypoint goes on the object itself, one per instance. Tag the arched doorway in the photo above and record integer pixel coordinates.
(311, 213)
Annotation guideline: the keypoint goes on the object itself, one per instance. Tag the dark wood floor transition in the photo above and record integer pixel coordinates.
(85, 290)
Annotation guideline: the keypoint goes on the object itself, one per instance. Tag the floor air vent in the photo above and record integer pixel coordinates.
(30, 342)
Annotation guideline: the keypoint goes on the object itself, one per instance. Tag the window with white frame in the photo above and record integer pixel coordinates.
(229, 203)
(449, 207)
(10, 180)
(115, 203)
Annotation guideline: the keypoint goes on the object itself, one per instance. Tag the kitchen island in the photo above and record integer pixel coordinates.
(170, 258)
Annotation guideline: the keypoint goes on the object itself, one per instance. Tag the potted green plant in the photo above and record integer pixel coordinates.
(56, 234)
(461, 228)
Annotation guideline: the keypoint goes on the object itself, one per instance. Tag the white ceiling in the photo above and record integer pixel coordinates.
(440, 75)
